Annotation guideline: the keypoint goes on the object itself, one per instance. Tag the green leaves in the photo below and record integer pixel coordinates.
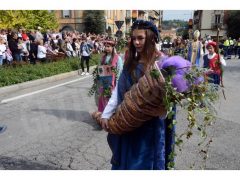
(94, 87)
(28, 19)
(198, 102)
(94, 21)
(155, 73)
(22, 73)
(121, 44)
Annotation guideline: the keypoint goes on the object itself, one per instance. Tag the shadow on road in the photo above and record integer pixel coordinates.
(76, 116)
(9, 163)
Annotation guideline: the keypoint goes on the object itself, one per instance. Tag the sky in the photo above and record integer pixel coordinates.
(177, 14)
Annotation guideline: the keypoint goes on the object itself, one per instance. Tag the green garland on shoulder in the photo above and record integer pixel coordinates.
(95, 76)
(107, 92)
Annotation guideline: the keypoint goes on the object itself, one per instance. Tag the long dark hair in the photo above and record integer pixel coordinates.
(148, 55)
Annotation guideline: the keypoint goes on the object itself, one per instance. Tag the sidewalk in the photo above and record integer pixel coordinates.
(4, 91)
(30, 86)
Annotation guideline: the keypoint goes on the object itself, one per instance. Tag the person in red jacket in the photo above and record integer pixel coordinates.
(24, 35)
(214, 63)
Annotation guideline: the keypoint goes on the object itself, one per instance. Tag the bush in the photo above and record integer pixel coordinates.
(22, 73)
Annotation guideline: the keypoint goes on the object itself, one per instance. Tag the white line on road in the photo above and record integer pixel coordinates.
(42, 90)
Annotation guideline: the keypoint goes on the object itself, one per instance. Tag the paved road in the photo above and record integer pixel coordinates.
(53, 130)
(224, 152)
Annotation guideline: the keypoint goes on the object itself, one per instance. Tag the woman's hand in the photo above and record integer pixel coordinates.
(104, 124)
(210, 71)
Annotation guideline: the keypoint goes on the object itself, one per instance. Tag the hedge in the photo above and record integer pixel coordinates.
(10, 75)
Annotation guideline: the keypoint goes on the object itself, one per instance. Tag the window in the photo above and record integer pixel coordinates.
(66, 13)
(217, 18)
(128, 13)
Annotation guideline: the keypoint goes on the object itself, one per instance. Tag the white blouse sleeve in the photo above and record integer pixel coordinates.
(112, 104)
(223, 62)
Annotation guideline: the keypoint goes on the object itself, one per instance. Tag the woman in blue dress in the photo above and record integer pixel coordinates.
(149, 146)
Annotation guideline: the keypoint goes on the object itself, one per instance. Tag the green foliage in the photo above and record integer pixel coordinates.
(155, 73)
(107, 92)
(121, 44)
(198, 102)
(22, 73)
(95, 76)
(94, 21)
(183, 32)
(232, 22)
(167, 24)
(43, 18)
(28, 19)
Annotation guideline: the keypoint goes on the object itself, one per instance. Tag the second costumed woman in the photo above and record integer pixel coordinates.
(109, 69)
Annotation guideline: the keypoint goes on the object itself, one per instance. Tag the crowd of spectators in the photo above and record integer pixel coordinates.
(33, 46)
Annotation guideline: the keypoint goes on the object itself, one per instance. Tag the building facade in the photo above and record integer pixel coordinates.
(73, 20)
(208, 22)
(156, 17)
(115, 15)
(70, 20)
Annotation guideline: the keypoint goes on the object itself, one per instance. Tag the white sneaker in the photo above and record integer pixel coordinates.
(87, 73)
(83, 73)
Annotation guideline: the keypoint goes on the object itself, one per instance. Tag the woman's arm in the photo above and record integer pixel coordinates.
(222, 60)
(112, 104)
(119, 66)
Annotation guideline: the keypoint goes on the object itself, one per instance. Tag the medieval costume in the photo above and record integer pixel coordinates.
(213, 62)
(140, 137)
(179, 47)
(109, 70)
(146, 147)
(195, 50)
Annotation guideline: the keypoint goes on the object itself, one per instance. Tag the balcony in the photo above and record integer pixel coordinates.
(196, 21)
(214, 26)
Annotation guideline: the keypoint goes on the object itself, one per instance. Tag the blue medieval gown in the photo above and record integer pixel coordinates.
(146, 148)
(191, 51)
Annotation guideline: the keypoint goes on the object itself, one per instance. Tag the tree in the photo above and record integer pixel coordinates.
(28, 19)
(168, 24)
(185, 34)
(94, 21)
(233, 21)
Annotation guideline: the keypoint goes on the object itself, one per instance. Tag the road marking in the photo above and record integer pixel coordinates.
(42, 90)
